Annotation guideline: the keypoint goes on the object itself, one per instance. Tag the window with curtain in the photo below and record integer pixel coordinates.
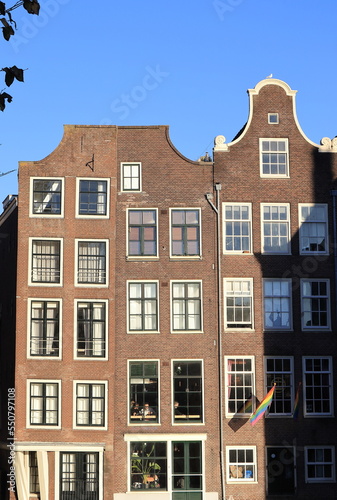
(46, 257)
(240, 386)
(44, 400)
(92, 262)
(143, 307)
(79, 476)
(186, 306)
(91, 329)
(93, 197)
(90, 405)
(44, 328)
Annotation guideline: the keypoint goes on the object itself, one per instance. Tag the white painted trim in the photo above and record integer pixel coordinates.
(31, 193)
(278, 329)
(30, 300)
(226, 372)
(142, 332)
(92, 358)
(292, 387)
(325, 221)
(141, 257)
(234, 329)
(147, 424)
(201, 307)
(77, 198)
(30, 261)
(240, 204)
(202, 389)
(122, 176)
(185, 257)
(271, 221)
(30, 381)
(92, 285)
(106, 393)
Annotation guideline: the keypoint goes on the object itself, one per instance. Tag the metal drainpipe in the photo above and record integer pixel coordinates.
(334, 194)
(220, 369)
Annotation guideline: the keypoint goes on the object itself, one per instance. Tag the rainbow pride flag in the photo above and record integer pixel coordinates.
(297, 401)
(263, 406)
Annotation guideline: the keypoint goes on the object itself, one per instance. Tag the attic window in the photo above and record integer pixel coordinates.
(273, 118)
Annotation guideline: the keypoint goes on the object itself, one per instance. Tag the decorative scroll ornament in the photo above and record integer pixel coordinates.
(219, 143)
(328, 145)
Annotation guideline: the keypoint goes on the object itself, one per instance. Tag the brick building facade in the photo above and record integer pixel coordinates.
(159, 299)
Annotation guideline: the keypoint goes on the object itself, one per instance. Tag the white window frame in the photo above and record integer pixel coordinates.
(140, 282)
(330, 387)
(286, 152)
(302, 223)
(168, 439)
(228, 384)
(237, 464)
(28, 404)
(187, 281)
(274, 298)
(305, 327)
(279, 383)
(94, 301)
(31, 197)
(278, 221)
(77, 205)
(92, 285)
(29, 327)
(132, 424)
(332, 478)
(131, 163)
(270, 117)
(250, 283)
(184, 257)
(30, 262)
(141, 257)
(106, 392)
(186, 421)
(240, 221)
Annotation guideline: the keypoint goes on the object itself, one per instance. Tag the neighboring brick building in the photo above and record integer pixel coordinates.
(159, 299)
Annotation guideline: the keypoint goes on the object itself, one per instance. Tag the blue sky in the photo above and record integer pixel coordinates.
(182, 63)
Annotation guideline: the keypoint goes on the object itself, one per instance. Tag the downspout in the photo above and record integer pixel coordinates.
(216, 209)
(334, 218)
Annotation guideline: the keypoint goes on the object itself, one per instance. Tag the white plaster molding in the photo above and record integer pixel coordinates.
(328, 146)
(219, 143)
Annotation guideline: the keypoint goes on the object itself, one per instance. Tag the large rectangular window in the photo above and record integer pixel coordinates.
(277, 304)
(44, 403)
(131, 176)
(186, 306)
(91, 329)
(317, 373)
(92, 197)
(143, 391)
(313, 228)
(274, 158)
(90, 404)
(239, 379)
(279, 371)
(92, 262)
(241, 462)
(320, 464)
(143, 307)
(185, 232)
(315, 302)
(187, 387)
(238, 303)
(275, 229)
(47, 197)
(46, 261)
(44, 328)
(142, 233)
(148, 465)
(237, 228)
(79, 476)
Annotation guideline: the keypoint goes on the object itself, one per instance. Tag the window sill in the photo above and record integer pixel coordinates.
(185, 257)
(141, 257)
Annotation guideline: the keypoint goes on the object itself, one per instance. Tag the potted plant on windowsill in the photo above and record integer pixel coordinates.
(145, 467)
